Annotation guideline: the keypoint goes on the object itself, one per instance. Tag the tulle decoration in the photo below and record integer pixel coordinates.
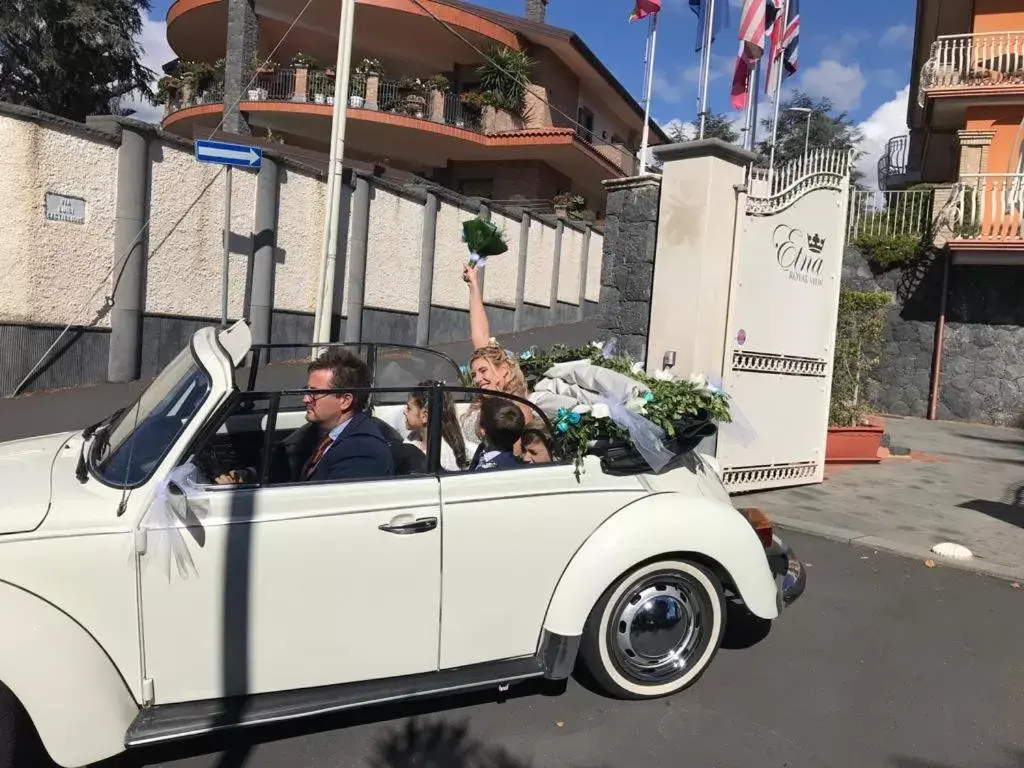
(738, 429)
(483, 238)
(648, 438)
(179, 503)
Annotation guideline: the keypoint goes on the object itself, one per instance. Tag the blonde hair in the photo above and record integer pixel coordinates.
(496, 356)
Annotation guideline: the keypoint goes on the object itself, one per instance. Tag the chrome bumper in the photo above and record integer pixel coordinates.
(790, 574)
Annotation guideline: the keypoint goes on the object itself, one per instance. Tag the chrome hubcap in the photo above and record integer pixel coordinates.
(659, 627)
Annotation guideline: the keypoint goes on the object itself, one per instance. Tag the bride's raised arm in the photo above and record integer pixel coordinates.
(479, 328)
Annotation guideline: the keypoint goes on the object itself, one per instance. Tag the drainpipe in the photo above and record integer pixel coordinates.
(940, 332)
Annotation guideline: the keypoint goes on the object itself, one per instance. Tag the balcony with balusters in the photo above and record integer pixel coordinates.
(974, 65)
(896, 169)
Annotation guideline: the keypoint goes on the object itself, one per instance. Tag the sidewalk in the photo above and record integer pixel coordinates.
(968, 489)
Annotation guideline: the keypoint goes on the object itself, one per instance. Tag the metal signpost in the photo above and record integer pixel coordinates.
(230, 156)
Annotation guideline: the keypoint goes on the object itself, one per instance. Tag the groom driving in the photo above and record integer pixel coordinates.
(350, 445)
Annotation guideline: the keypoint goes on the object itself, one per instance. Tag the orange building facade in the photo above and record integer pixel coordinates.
(414, 98)
(966, 122)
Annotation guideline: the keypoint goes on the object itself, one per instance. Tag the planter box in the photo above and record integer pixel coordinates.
(356, 102)
(854, 445)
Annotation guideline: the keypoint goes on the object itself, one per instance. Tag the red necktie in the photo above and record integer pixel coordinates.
(317, 455)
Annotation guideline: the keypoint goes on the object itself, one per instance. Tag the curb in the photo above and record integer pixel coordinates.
(856, 538)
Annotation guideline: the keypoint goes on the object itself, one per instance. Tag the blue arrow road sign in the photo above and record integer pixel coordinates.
(222, 153)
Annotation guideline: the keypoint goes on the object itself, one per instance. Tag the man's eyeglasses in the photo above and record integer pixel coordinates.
(316, 394)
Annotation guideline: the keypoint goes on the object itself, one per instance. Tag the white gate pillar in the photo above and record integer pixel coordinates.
(702, 202)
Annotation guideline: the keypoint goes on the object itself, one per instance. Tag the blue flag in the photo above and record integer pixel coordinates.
(720, 18)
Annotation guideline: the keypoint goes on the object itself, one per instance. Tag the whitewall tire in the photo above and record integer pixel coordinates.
(655, 631)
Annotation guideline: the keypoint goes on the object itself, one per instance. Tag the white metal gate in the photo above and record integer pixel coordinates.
(783, 302)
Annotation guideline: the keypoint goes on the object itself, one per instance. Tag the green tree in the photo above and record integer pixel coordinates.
(717, 126)
(828, 130)
(72, 58)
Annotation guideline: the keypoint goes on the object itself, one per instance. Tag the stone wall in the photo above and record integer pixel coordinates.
(61, 271)
(627, 266)
(982, 376)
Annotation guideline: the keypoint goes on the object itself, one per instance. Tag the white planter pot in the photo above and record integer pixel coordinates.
(254, 94)
(319, 98)
(356, 102)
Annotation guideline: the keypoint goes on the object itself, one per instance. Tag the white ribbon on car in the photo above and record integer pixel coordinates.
(179, 502)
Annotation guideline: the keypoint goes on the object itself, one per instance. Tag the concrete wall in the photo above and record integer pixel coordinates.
(982, 376)
(58, 272)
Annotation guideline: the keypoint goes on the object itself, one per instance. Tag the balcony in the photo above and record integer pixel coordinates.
(974, 64)
(988, 210)
(904, 214)
(894, 166)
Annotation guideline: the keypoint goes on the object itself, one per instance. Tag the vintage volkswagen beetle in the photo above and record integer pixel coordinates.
(138, 610)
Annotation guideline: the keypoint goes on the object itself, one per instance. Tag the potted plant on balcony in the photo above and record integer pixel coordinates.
(852, 435)
(169, 93)
(412, 96)
(473, 103)
(505, 78)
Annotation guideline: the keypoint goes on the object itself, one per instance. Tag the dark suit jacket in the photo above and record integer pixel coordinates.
(359, 452)
(504, 460)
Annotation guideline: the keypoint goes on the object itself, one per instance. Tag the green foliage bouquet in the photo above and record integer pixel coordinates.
(666, 416)
(483, 238)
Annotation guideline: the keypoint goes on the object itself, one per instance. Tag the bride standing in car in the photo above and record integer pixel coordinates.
(490, 366)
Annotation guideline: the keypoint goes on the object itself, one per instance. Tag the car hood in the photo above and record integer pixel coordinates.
(25, 467)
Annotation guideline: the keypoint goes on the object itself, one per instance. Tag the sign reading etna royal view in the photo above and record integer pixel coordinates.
(798, 254)
(782, 319)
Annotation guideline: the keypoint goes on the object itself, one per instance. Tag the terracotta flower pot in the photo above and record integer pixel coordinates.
(854, 445)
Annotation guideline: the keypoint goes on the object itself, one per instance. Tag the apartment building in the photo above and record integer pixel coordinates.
(966, 120)
(416, 103)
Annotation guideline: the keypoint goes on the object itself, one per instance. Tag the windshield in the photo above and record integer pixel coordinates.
(133, 448)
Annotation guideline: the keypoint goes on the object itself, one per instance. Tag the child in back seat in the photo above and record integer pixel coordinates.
(502, 424)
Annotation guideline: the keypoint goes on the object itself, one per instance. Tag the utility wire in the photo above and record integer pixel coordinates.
(123, 260)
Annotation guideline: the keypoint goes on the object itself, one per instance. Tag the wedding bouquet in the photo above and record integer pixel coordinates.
(483, 238)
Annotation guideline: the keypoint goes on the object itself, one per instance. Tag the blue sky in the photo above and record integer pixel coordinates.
(857, 54)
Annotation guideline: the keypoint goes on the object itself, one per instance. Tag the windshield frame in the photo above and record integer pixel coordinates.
(135, 412)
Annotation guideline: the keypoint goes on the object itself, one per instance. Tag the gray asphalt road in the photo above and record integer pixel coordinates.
(882, 662)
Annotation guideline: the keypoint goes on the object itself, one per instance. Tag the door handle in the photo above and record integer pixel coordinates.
(421, 525)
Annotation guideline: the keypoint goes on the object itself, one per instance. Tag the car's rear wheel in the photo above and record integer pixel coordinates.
(655, 631)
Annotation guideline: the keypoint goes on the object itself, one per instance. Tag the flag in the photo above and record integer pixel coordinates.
(791, 39)
(784, 39)
(774, 30)
(719, 19)
(751, 34)
(644, 8)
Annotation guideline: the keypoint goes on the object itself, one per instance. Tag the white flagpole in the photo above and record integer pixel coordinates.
(705, 63)
(750, 140)
(652, 38)
(777, 70)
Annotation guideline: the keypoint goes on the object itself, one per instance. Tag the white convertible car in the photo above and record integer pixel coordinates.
(143, 603)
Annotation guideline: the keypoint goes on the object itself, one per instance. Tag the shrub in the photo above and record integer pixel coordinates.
(890, 251)
(858, 335)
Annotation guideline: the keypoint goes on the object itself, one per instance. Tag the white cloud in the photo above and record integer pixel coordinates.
(888, 120)
(897, 34)
(842, 84)
(155, 53)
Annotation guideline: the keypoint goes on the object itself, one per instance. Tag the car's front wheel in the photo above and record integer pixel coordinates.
(18, 743)
(655, 631)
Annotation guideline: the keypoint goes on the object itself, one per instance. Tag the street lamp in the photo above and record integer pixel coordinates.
(807, 135)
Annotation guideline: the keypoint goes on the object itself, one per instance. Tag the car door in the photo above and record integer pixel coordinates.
(293, 586)
(508, 536)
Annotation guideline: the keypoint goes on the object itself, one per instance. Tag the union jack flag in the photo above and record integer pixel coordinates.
(783, 40)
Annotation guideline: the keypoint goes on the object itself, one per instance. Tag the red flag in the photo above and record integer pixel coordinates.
(645, 8)
(752, 30)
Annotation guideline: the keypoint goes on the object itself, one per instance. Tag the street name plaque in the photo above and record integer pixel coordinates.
(65, 208)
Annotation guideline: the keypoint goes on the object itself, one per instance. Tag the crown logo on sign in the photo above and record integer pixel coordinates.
(816, 243)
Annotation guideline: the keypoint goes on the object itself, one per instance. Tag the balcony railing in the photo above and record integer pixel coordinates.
(988, 207)
(890, 214)
(291, 84)
(975, 61)
(895, 166)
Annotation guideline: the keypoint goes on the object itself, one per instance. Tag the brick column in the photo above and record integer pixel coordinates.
(627, 268)
(301, 84)
(242, 45)
(372, 91)
(974, 148)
